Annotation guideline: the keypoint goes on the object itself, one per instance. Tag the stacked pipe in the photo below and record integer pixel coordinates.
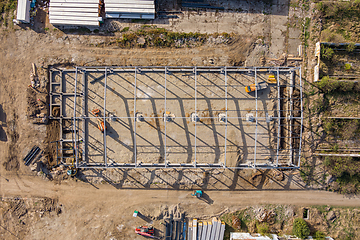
(31, 155)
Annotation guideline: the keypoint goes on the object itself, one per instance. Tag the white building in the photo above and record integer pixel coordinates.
(74, 12)
(134, 9)
(23, 11)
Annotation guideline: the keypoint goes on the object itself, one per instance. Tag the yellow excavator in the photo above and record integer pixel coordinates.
(100, 121)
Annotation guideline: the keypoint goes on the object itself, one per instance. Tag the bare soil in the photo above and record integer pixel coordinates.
(32, 207)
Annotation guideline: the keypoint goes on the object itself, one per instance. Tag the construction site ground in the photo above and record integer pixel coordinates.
(94, 206)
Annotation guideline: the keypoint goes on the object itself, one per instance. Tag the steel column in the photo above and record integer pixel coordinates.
(165, 161)
(226, 112)
(104, 118)
(135, 92)
(302, 116)
(278, 107)
(195, 72)
(74, 123)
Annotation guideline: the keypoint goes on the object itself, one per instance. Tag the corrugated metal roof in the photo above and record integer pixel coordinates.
(74, 12)
(74, 22)
(56, 10)
(23, 11)
(134, 9)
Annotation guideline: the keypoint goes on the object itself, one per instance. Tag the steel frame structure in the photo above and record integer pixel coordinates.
(79, 141)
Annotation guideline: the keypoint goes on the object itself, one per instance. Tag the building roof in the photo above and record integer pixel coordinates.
(23, 11)
(135, 9)
(74, 12)
(248, 236)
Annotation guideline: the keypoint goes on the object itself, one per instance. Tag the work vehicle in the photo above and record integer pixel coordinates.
(100, 121)
(252, 88)
(145, 231)
(197, 193)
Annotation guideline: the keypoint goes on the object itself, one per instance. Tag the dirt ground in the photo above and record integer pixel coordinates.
(83, 210)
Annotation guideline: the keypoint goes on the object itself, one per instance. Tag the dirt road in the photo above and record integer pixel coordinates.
(106, 212)
(72, 192)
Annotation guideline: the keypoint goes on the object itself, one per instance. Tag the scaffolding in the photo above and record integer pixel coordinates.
(71, 149)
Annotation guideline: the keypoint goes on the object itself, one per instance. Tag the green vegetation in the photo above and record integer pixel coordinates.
(300, 228)
(125, 29)
(331, 86)
(327, 53)
(320, 235)
(306, 33)
(149, 35)
(346, 171)
(350, 47)
(7, 5)
(340, 20)
(7, 8)
(347, 66)
(287, 219)
(263, 228)
(342, 129)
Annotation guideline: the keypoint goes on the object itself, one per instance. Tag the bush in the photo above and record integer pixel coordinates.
(327, 53)
(319, 235)
(350, 47)
(263, 228)
(300, 228)
(125, 29)
(328, 85)
(347, 66)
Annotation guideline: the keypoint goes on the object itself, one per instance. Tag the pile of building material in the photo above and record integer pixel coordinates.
(206, 230)
(31, 155)
(75, 12)
(134, 9)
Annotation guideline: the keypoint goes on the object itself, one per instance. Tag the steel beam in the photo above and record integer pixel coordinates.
(84, 114)
(195, 72)
(279, 116)
(104, 118)
(165, 160)
(302, 116)
(135, 92)
(74, 123)
(256, 115)
(226, 113)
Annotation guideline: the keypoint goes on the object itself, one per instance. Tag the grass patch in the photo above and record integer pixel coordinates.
(151, 36)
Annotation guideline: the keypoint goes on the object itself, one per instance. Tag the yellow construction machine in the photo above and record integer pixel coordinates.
(271, 79)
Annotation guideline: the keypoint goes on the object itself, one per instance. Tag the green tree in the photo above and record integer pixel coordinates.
(300, 228)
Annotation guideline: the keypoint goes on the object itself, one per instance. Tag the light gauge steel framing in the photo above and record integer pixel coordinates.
(284, 129)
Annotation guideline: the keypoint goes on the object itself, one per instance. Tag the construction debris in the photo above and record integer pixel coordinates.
(34, 79)
(265, 215)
